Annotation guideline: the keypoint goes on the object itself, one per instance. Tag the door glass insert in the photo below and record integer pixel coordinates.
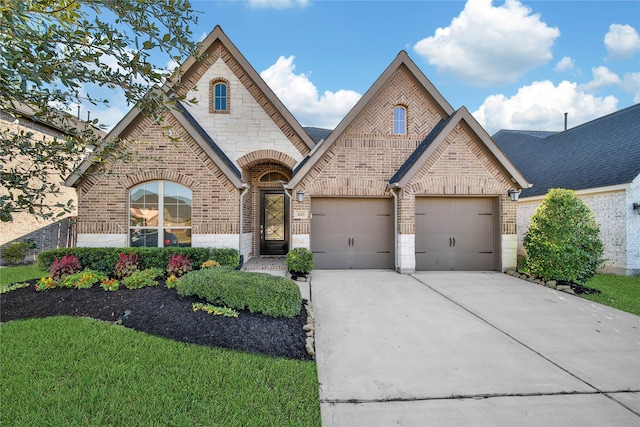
(274, 217)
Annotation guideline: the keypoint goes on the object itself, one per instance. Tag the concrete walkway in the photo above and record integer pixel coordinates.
(475, 349)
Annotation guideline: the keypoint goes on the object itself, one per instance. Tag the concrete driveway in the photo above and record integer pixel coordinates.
(470, 348)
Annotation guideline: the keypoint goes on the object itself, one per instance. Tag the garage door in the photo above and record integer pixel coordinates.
(352, 233)
(456, 233)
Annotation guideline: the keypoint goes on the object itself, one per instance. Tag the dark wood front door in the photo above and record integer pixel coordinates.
(274, 223)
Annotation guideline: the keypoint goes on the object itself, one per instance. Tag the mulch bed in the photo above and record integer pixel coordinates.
(162, 312)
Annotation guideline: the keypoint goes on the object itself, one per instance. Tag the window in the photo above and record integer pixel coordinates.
(219, 96)
(273, 177)
(399, 120)
(160, 215)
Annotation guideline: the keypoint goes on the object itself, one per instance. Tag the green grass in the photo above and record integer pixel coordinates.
(79, 371)
(9, 275)
(621, 292)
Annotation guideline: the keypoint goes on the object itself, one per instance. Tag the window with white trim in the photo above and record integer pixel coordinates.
(160, 214)
(399, 120)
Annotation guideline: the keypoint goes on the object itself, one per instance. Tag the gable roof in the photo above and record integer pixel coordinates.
(190, 124)
(438, 135)
(402, 59)
(600, 153)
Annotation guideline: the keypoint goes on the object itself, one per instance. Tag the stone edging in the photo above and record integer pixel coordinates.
(310, 329)
(549, 283)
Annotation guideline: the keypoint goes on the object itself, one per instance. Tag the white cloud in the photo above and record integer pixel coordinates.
(631, 84)
(301, 96)
(278, 4)
(541, 106)
(602, 77)
(565, 64)
(488, 45)
(622, 41)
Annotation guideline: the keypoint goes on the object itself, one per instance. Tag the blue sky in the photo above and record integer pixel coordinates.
(513, 64)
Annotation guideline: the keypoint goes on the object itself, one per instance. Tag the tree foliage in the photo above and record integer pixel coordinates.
(52, 53)
(563, 240)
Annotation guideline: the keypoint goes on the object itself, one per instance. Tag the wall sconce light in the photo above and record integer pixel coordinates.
(513, 194)
(636, 206)
(300, 196)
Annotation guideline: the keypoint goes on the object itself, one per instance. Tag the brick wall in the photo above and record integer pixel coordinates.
(104, 197)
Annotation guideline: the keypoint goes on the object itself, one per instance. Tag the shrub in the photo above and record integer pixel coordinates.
(258, 292)
(226, 256)
(563, 241)
(179, 265)
(64, 266)
(300, 260)
(142, 278)
(83, 280)
(126, 265)
(15, 252)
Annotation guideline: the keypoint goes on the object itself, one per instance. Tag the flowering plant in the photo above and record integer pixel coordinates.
(126, 265)
(172, 281)
(212, 309)
(45, 283)
(64, 266)
(210, 264)
(83, 280)
(179, 265)
(110, 284)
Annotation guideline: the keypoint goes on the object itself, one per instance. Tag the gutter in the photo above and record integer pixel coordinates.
(393, 188)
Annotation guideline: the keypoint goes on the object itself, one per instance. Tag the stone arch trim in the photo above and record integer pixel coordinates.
(261, 156)
(212, 85)
(158, 175)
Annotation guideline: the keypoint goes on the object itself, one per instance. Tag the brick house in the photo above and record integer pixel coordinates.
(600, 161)
(403, 182)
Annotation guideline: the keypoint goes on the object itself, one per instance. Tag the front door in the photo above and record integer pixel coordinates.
(274, 223)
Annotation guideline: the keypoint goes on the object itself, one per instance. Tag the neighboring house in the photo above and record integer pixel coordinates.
(600, 161)
(404, 181)
(43, 233)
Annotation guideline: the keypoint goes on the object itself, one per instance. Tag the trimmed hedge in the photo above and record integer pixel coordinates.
(105, 259)
(264, 293)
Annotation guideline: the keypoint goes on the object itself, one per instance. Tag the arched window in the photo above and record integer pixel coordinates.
(399, 120)
(273, 177)
(160, 214)
(219, 89)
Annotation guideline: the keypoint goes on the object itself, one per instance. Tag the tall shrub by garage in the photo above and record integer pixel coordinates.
(563, 241)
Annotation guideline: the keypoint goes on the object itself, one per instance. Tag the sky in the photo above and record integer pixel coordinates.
(512, 64)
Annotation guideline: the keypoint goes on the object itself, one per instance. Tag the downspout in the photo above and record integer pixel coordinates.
(287, 192)
(245, 188)
(392, 189)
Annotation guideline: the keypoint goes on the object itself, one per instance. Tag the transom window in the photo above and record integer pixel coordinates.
(160, 214)
(273, 177)
(399, 120)
(219, 96)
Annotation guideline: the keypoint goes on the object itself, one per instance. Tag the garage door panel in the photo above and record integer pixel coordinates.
(352, 233)
(455, 233)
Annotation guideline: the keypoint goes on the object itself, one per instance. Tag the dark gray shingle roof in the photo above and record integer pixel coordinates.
(600, 153)
(317, 134)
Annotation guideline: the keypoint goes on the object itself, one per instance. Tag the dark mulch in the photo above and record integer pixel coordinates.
(162, 312)
(579, 289)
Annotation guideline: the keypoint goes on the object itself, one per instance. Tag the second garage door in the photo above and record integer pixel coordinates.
(456, 233)
(352, 233)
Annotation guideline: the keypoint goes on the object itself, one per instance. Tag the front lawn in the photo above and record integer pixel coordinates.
(621, 292)
(79, 371)
(9, 275)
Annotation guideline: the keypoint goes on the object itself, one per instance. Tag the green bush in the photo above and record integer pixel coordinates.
(15, 252)
(274, 296)
(105, 259)
(563, 241)
(300, 260)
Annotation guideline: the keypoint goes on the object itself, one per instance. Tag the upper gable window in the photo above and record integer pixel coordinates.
(219, 96)
(399, 120)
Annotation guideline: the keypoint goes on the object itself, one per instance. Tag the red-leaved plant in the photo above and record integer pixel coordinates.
(126, 265)
(179, 265)
(64, 266)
